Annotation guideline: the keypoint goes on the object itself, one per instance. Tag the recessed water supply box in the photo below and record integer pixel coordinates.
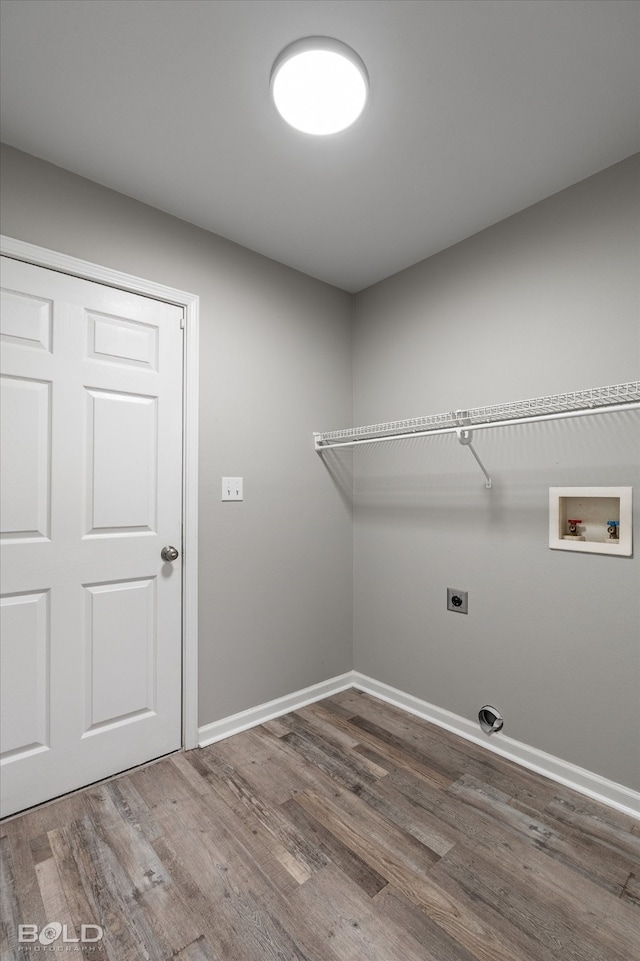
(597, 520)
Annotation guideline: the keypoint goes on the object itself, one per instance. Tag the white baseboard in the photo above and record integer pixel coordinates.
(578, 779)
(218, 730)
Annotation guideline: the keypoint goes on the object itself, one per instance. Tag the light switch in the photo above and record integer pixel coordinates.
(232, 489)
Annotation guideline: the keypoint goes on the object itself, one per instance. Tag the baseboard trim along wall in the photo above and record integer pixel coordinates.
(235, 723)
(579, 779)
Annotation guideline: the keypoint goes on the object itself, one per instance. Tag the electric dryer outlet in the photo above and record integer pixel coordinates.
(457, 601)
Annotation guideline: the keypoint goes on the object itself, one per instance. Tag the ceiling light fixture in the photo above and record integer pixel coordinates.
(319, 85)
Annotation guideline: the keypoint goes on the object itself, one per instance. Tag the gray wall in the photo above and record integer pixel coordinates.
(276, 570)
(546, 301)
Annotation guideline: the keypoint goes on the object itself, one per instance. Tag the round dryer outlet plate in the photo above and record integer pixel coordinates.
(457, 600)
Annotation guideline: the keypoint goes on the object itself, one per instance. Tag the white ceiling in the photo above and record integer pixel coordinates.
(478, 108)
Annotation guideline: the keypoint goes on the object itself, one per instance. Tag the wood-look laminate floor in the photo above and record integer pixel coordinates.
(345, 831)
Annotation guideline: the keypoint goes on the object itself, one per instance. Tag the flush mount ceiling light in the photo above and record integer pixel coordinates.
(319, 85)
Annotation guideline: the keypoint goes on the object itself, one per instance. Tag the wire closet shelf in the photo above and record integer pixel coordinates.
(596, 400)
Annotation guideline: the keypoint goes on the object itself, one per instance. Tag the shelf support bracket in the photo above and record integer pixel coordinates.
(465, 437)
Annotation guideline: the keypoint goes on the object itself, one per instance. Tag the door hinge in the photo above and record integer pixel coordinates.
(182, 321)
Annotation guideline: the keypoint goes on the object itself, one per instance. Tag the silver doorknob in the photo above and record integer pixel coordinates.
(169, 553)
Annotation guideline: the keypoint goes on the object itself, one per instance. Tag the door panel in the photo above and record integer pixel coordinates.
(24, 677)
(122, 462)
(92, 475)
(118, 340)
(129, 607)
(25, 412)
(25, 320)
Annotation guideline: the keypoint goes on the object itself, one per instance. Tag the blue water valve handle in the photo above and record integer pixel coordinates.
(612, 528)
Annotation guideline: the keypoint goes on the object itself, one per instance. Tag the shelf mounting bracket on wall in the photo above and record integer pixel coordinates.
(465, 437)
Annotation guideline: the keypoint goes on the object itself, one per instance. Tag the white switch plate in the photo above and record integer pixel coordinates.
(232, 489)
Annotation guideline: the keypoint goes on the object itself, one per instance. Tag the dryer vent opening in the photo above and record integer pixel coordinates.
(491, 720)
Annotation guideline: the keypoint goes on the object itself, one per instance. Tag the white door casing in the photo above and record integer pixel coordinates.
(92, 489)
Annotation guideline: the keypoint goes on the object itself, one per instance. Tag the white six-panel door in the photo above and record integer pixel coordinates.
(91, 473)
